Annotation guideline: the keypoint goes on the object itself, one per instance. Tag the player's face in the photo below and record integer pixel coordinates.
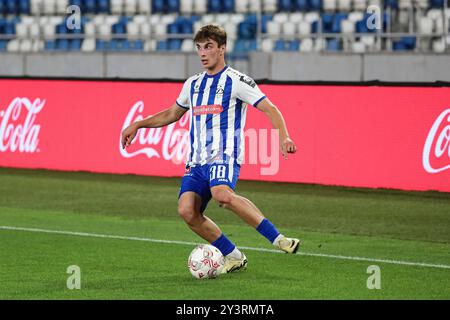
(210, 53)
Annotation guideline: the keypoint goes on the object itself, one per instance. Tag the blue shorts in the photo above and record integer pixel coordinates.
(200, 179)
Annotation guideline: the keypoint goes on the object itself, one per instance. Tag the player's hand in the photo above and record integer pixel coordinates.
(287, 146)
(128, 135)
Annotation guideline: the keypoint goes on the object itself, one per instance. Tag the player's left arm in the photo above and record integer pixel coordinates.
(275, 116)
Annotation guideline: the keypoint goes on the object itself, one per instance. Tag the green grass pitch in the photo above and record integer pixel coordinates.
(111, 226)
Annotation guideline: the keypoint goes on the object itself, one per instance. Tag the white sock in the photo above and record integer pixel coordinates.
(277, 239)
(235, 254)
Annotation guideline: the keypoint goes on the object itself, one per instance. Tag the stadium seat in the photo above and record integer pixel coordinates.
(329, 5)
(273, 28)
(241, 6)
(186, 6)
(200, 6)
(267, 45)
(304, 28)
(306, 45)
(358, 47)
(117, 6)
(289, 29)
(344, 5)
(269, 6)
(333, 45)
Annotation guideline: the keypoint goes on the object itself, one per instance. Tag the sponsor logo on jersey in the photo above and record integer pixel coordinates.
(209, 109)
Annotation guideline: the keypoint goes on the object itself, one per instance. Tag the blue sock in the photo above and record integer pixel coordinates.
(268, 230)
(224, 244)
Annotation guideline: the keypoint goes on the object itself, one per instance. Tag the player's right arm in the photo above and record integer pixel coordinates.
(161, 119)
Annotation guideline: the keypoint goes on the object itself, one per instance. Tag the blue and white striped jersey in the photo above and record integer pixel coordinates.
(218, 106)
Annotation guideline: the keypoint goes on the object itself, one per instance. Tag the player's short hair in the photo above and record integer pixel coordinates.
(212, 32)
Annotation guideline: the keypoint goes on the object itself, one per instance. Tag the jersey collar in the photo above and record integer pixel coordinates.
(217, 74)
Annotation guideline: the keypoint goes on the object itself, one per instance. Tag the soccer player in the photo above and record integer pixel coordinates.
(217, 100)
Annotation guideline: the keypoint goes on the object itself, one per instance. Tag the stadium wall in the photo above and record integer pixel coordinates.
(350, 135)
(280, 66)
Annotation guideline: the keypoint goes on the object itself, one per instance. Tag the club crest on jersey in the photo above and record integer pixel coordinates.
(219, 91)
(209, 109)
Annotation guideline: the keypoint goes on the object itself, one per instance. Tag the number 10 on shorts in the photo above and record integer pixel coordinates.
(217, 172)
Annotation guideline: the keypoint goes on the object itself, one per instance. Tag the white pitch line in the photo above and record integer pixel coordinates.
(322, 255)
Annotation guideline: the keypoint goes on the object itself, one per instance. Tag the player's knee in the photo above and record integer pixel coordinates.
(187, 213)
(223, 196)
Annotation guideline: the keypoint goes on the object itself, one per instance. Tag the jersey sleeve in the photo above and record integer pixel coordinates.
(183, 98)
(248, 91)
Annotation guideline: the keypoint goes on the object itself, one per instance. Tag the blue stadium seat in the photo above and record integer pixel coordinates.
(315, 5)
(2, 7)
(301, 5)
(158, 6)
(103, 6)
(119, 27)
(162, 45)
(137, 45)
(62, 28)
(264, 19)
(12, 7)
(3, 45)
(361, 26)
(174, 44)
(285, 5)
(24, 6)
(173, 6)
(9, 28)
(247, 28)
(100, 45)
(50, 45)
(214, 6)
(327, 22)
(228, 6)
(75, 45)
(89, 6)
(293, 45)
(391, 3)
(279, 45)
(173, 28)
(437, 4)
(315, 27)
(337, 20)
(333, 45)
(62, 44)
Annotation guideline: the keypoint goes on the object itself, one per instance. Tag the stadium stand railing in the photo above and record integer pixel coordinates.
(341, 26)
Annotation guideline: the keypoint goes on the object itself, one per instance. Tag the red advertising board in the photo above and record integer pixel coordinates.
(365, 136)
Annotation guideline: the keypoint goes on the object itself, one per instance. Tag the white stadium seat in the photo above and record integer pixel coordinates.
(13, 45)
(61, 6)
(344, 5)
(187, 6)
(426, 25)
(208, 18)
(267, 45)
(49, 31)
(296, 17)
(26, 45)
(116, 6)
(200, 6)
(289, 28)
(347, 26)
(306, 45)
(304, 28)
(145, 29)
(222, 18)
(88, 45)
(358, 47)
(22, 30)
(187, 46)
(89, 29)
(359, 5)
(133, 30)
(49, 7)
(281, 17)
(130, 7)
(237, 18)
(150, 45)
(241, 6)
(269, 6)
(273, 28)
(329, 5)
(144, 6)
(311, 17)
(355, 16)
(254, 5)
(231, 30)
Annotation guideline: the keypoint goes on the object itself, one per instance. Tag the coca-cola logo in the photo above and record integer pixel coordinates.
(170, 142)
(18, 131)
(436, 151)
